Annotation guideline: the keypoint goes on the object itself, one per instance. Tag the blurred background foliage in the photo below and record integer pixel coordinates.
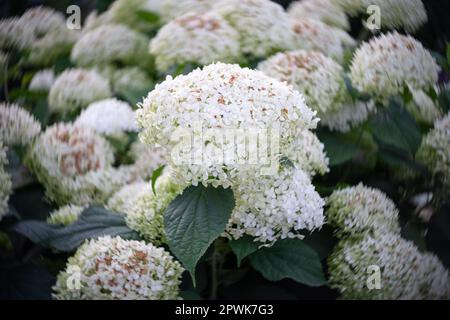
(434, 35)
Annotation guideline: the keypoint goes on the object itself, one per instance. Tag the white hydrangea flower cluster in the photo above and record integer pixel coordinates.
(14, 34)
(359, 209)
(435, 149)
(263, 26)
(276, 207)
(422, 107)
(17, 125)
(111, 44)
(406, 273)
(320, 80)
(220, 96)
(108, 117)
(351, 7)
(324, 10)
(316, 76)
(42, 80)
(5, 182)
(314, 35)
(146, 159)
(171, 9)
(123, 200)
(41, 31)
(199, 38)
(75, 89)
(114, 268)
(145, 215)
(383, 66)
(65, 215)
(128, 12)
(407, 14)
(131, 12)
(75, 165)
(350, 115)
(308, 153)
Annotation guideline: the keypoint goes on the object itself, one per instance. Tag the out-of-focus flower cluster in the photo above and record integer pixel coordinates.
(383, 66)
(320, 79)
(409, 15)
(435, 149)
(367, 222)
(40, 34)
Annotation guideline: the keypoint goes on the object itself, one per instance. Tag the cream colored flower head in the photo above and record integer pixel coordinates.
(385, 65)
(75, 165)
(270, 208)
(320, 80)
(75, 89)
(112, 43)
(434, 151)
(118, 269)
(263, 25)
(198, 38)
(109, 117)
(17, 125)
(220, 97)
(405, 272)
(326, 11)
(42, 80)
(40, 33)
(310, 34)
(359, 209)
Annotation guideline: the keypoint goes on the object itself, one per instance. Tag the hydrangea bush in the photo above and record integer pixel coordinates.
(181, 149)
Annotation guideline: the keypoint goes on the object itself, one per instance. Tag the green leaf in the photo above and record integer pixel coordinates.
(285, 161)
(134, 96)
(394, 126)
(338, 149)
(148, 16)
(41, 112)
(354, 93)
(351, 90)
(194, 220)
(398, 157)
(416, 234)
(448, 54)
(289, 258)
(243, 247)
(444, 100)
(440, 59)
(321, 241)
(407, 95)
(92, 223)
(62, 63)
(155, 176)
(190, 295)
